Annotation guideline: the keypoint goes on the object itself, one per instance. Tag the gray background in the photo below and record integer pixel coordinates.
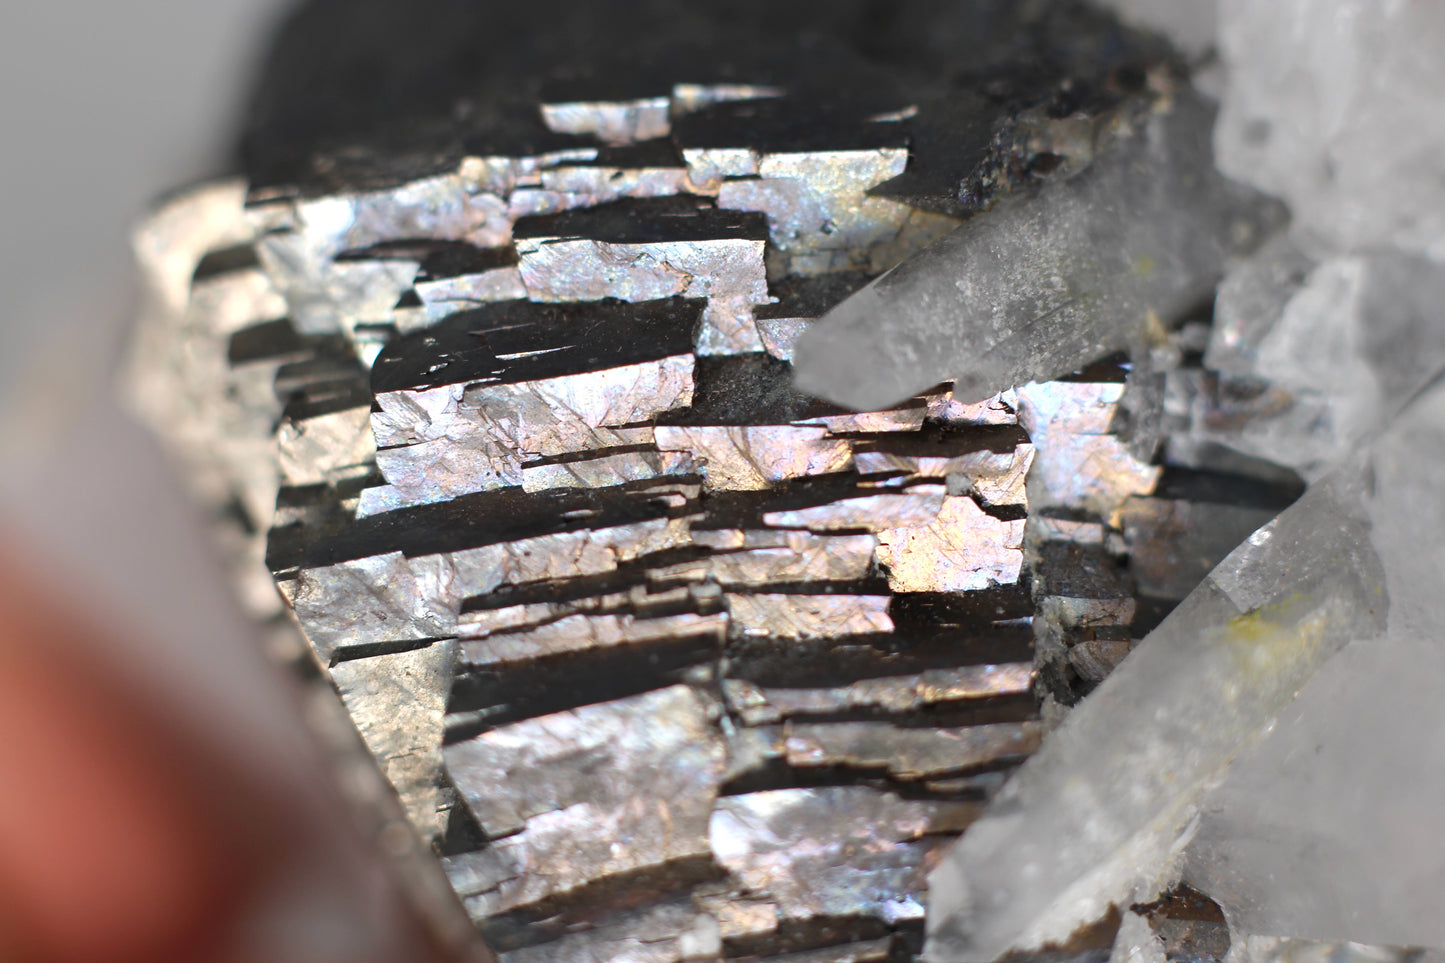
(108, 103)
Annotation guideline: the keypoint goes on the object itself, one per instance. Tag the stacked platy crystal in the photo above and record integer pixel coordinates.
(670, 660)
(696, 618)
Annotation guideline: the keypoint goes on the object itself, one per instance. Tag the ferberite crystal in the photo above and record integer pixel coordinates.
(669, 660)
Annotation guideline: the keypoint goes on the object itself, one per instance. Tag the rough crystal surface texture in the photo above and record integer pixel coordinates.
(1075, 271)
(1067, 838)
(1347, 821)
(1318, 346)
(1334, 107)
(672, 661)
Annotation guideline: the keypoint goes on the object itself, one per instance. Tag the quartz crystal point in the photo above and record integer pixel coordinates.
(1072, 272)
(1325, 829)
(1088, 819)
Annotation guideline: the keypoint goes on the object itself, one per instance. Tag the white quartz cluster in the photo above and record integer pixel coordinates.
(1326, 830)
(1336, 107)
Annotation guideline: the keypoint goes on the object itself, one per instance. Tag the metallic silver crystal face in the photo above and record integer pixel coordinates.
(398, 702)
(1071, 422)
(611, 122)
(449, 295)
(571, 268)
(788, 617)
(672, 662)
(790, 844)
(595, 759)
(908, 755)
(756, 705)
(797, 557)
(756, 458)
(576, 633)
(727, 579)
(961, 549)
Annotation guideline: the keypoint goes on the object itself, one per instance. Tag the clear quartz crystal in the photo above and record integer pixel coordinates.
(1326, 829)
(1339, 344)
(1043, 281)
(1094, 817)
(1334, 105)
(1316, 830)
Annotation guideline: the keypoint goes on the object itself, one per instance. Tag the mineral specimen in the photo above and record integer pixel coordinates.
(1331, 800)
(1316, 347)
(1321, 832)
(668, 659)
(1105, 813)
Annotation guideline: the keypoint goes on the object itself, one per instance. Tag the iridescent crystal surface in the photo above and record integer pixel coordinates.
(667, 658)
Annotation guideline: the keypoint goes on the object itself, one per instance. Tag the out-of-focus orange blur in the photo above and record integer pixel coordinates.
(163, 793)
(128, 833)
(120, 839)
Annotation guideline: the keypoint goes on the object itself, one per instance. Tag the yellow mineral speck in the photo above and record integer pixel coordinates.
(1276, 639)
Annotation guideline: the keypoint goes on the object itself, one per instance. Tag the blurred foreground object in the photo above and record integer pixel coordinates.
(176, 841)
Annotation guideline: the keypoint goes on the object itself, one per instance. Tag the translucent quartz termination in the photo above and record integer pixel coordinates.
(1325, 830)
(1093, 818)
(1045, 281)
